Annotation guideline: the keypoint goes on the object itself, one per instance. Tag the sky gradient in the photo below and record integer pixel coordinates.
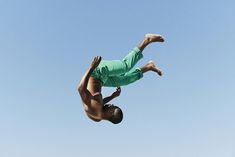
(46, 46)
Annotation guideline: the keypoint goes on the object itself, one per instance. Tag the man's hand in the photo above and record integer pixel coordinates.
(117, 92)
(114, 95)
(96, 61)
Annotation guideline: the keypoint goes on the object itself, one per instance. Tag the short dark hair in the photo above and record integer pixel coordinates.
(117, 116)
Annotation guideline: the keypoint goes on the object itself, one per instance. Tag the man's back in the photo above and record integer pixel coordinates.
(92, 99)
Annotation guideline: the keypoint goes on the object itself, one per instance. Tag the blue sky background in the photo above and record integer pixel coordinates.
(47, 45)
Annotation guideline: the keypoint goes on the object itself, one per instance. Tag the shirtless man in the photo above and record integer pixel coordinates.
(113, 73)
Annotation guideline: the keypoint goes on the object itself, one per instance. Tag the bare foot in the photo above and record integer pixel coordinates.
(154, 38)
(153, 67)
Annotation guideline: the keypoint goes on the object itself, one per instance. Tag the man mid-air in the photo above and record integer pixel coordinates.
(115, 73)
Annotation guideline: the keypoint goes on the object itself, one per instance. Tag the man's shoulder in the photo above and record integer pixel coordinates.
(85, 95)
(93, 117)
(93, 112)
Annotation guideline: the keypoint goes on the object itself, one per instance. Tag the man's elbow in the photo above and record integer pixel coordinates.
(79, 89)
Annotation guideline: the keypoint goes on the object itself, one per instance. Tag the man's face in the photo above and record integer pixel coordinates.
(113, 113)
(109, 109)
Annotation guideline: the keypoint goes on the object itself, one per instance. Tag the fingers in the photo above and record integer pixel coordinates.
(97, 59)
(162, 39)
(118, 89)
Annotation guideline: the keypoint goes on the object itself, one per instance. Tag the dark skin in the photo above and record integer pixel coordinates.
(90, 88)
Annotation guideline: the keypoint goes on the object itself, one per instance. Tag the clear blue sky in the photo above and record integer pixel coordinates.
(47, 45)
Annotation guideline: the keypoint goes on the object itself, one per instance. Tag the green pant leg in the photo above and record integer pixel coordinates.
(117, 67)
(132, 58)
(122, 80)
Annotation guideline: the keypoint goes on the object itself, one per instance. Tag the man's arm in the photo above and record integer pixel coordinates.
(84, 81)
(108, 99)
(82, 88)
(114, 95)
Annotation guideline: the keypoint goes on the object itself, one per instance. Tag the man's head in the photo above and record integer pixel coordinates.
(113, 113)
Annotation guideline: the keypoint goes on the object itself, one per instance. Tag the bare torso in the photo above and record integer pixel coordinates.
(94, 106)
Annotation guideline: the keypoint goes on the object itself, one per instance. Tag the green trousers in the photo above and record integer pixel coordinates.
(118, 73)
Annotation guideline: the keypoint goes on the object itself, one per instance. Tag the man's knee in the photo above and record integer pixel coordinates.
(127, 66)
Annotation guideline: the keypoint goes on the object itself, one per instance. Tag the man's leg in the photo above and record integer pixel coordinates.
(149, 38)
(150, 66)
(120, 67)
(134, 56)
(131, 76)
